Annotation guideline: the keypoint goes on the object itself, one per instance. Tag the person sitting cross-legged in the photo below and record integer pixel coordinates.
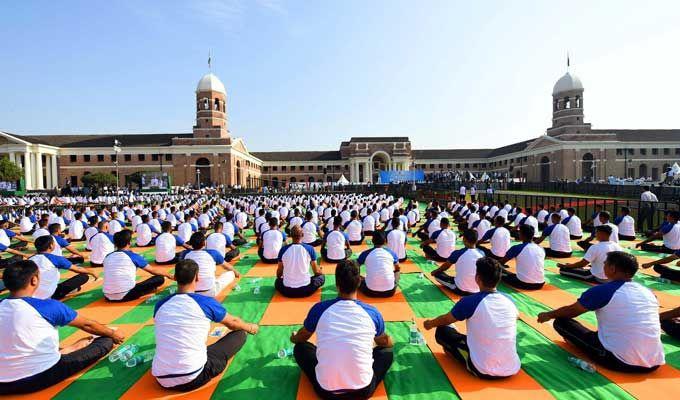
(444, 239)
(604, 217)
(573, 223)
(499, 237)
(663, 270)
(61, 243)
(30, 356)
(626, 225)
(208, 261)
(629, 334)
(101, 244)
(382, 269)
(50, 265)
(335, 247)
(166, 245)
(311, 231)
(669, 232)
(344, 364)
(670, 322)
(220, 241)
(292, 276)
(559, 237)
(465, 260)
(489, 350)
(182, 362)
(529, 257)
(271, 242)
(595, 256)
(396, 240)
(120, 272)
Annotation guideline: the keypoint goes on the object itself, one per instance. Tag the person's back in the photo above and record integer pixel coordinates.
(207, 265)
(49, 266)
(309, 232)
(272, 241)
(296, 259)
(101, 244)
(396, 241)
(573, 223)
(166, 244)
(500, 241)
(120, 273)
(217, 241)
(465, 260)
(335, 245)
(558, 235)
(446, 242)
(530, 262)
(368, 223)
(354, 230)
(671, 236)
(184, 231)
(596, 256)
(379, 263)
(143, 234)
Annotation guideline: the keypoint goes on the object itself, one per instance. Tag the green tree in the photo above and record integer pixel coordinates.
(99, 179)
(9, 172)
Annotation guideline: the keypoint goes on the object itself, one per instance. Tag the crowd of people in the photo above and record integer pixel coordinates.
(200, 233)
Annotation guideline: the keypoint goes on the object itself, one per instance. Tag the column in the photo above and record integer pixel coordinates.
(55, 172)
(12, 157)
(356, 171)
(367, 173)
(38, 171)
(28, 173)
(48, 172)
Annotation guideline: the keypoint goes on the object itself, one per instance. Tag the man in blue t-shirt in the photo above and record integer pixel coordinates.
(382, 269)
(344, 364)
(30, 356)
(628, 338)
(295, 260)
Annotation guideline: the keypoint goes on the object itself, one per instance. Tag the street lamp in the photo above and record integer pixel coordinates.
(198, 178)
(116, 150)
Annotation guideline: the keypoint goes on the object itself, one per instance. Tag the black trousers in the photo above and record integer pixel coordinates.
(76, 259)
(449, 282)
(626, 237)
(142, 288)
(582, 274)
(305, 356)
(488, 253)
(68, 365)
(511, 279)
(423, 236)
(20, 245)
(239, 242)
(455, 344)
(324, 255)
(584, 244)
(671, 327)
(374, 293)
(573, 332)
(356, 242)
(260, 252)
(70, 285)
(315, 243)
(174, 260)
(574, 237)
(315, 283)
(4, 262)
(645, 215)
(230, 255)
(668, 272)
(556, 254)
(656, 248)
(431, 253)
(368, 233)
(218, 354)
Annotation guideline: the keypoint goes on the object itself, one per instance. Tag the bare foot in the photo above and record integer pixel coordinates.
(80, 344)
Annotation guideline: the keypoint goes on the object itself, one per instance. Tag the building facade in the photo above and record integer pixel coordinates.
(569, 149)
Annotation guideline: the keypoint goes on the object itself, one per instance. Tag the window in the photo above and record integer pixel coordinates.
(292, 168)
(100, 157)
(643, 152)
(666, 152)
(113, 157)
(86, 158)
(431, 166)
(74, 180)
(154, 157)
(449, 166)
(619, 152)
(141, 157)
(283, 168)
(467, 165)
(275, 168)
(655, 152)
(677, 152)
(266, 169)
(310, 168)
(458, 165)
(168, 157)
(128, 157)
(441, 166)
(73, 158)
(631, 152)
(474, 165)
(319, 167)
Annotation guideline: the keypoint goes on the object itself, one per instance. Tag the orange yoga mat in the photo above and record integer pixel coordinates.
(393, 308)
(306, 391)
(262, 270)
(287, 311)
(52, 391)
(469, 387)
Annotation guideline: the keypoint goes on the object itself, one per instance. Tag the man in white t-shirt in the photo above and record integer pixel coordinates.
(295, 260)
(220, 241)
(489, 349)
(182, 362)
(604, 218)
(30, 352)
(382, 269)
(271, 242)
(336, 247)
(166, 245)
(354, 229)
(498, 237)
(396, 240)
(558, 235)
(529, 259)
(101, 244)
(344, 362)
(628, 338)
(465, 260)
(626, 225)
(595, 256)
(310, 231)
(669, 232)
(444, 240)
(573, 223)
(208, 260)
(76, 229)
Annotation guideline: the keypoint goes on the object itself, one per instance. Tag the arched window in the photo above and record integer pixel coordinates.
(588, 166)
(578, 101)
(556, 105)
(206, 106)
(329, 179)
(567, 103)
(643, 170)
(217, 104)
(311, 179)
(545, 169)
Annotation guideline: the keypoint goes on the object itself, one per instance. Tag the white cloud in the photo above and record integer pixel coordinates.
(275, 6)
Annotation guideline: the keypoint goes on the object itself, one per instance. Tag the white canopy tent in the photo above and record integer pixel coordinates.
(343, 180)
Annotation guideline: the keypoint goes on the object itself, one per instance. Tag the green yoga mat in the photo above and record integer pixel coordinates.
(143, 311)
(256, 372)
(424, 298)
(248, 305)
(415, 373)
(107, 380)
(329, 291)
(246, 262)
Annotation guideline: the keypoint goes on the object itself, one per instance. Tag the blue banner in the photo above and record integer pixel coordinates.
(401, 176)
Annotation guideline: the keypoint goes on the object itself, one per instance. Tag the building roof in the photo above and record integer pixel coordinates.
(210, 83)
(566, 83)
(297, 155)
(511, 148)
(450, 154)
(375, 139)
(643, 135)
(138, 139)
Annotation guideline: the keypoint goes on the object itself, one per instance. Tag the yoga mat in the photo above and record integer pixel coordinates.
(256, 372)
(393, 308)
(424, 298)
(329, 291)
(288, 311)
(246, 263)
(247, 305)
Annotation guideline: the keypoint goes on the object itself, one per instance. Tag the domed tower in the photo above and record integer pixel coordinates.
(568, 107)
(211, 108)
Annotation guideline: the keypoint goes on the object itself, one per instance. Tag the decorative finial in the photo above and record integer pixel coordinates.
(568, 63)
(209, 60)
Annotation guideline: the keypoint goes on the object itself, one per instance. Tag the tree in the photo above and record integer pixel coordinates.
(9, 171)
(98, 179)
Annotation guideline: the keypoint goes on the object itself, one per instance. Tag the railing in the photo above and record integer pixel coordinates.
(667, 193)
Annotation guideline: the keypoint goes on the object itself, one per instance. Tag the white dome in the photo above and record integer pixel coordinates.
(566, 83)
(210, 82)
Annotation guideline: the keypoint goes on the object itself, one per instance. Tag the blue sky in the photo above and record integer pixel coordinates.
(306, 75)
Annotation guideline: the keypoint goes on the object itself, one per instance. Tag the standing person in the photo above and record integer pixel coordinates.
(473, 193)
(344, 364)
(382, 269)
(489, 350)
(29, 341)
(489, 193)
(648, 202)
(629, 333)
(461, 193)
(292, 275)
(182, 362)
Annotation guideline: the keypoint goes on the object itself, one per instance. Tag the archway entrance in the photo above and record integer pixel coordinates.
(588, 167)
(545, 169)
(643, 171)
(379, 162)
(203, 171)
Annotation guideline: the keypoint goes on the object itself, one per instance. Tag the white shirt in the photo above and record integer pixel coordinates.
(272, 241)
(76, 229)
(484, 225)
(466, 268)
(207, 261)
(574, 225)
(144, 234)
(500, 241)
(396, 241)
(596, 255)
(627, 226)
(368, 224)
(166, 245)
(530, 259)
(309, 232)
(648, 196)
(354, 230)
(445, 240)
(558, 235)
(296, 259)
(120, 271)
(335, 245)
(25, 224)
(217, 241)
(49, 265)
(184, 231)
(101, 245)
(380, 264)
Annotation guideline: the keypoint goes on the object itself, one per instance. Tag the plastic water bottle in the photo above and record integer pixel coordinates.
(115, 355)
(237, 288)
(414, 335)
(172, 289)
(140, 359)
(256, 281)
(129, 352)
(661, 279)
(285, 352)
(152, 299)
(421, 275)
(256, 290)
(582, 364)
